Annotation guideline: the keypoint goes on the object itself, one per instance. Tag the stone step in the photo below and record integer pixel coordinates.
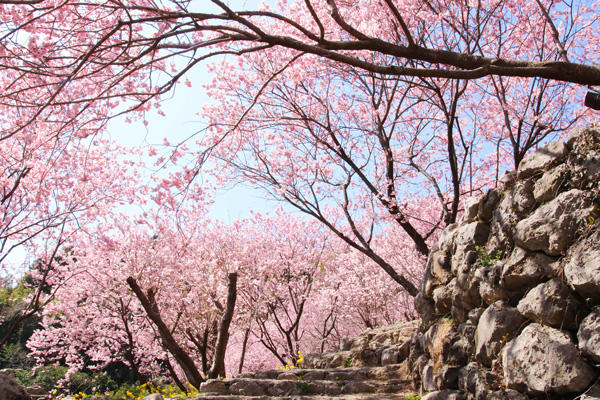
(393, 371)
(361, 396)
(384, 336)
(283, 387)
(359, 357)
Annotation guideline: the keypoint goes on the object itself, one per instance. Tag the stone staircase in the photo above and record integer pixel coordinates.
(370, 366)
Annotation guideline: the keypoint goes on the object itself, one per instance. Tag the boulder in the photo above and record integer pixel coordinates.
(358, 387)
(10, 389)
(153, 396)
(585, 157)
(588, 335)
(490, 288)
(582, 268)
(437, 272)
(314, 375)
(274, 373)
(551, 303)
(440, 267)
(549, 185)
(544, 360)
(553, 227)
(524, 270)
(508, 178)
(283, 388)
(443, 297)
(325, 387)
(487, 204)
(497, 325)
(502, 224)
(213, 386)
(246, 388)
(468, 236)
(38, 392)
(471, 208)
(505, 394)
(447, 237)
(427, 376)
(592, 393)
(365, 358)
(542, 159)
(476, 380)
(446, 377)
(523, 201)
(444, 395)
(389, 355)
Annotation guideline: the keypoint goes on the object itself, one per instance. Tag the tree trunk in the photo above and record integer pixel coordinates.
(183, 359)
(244, 346)
(218, 367)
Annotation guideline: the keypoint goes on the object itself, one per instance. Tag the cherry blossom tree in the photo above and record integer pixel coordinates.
(291, 296)
(69, 66)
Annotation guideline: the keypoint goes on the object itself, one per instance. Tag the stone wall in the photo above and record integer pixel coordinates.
(510, 303)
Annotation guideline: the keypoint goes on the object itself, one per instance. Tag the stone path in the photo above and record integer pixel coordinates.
(370, 366)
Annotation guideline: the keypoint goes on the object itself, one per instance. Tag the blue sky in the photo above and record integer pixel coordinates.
(180, 123)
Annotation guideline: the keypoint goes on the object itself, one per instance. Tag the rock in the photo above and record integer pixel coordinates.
(505, 394)
(444, 395)
(508, 178)
(213, 386)
(497, 325)
(524, 270)
(346, 344)
(325, 387)
(290, 376)
(490, 289)
(274, 373)
(549, 185)
(427, 376)
(576, 134)
(365, 358)
(443, 297)
(10, 389)
(544, 360)
(446, 241)
(592, 393)
(542, 159)
(582, 268)
(246, 388)
(440, 267)
(588, 335)
(403, 350)
(553, 227)
(428, 283)
(425, 307)
(585, 159)
(446, 377)
(467, 237)
(487, 204)
(471, 208)
(551, 303)
(523, 201)
(476, 380)
(358, 387)
(283, 388)
(503, 224)
(314, 375)
(37, 391)
(389, 356)
(153, 396)
(475, 314)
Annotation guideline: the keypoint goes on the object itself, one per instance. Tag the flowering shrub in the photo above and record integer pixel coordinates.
(138, 392)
